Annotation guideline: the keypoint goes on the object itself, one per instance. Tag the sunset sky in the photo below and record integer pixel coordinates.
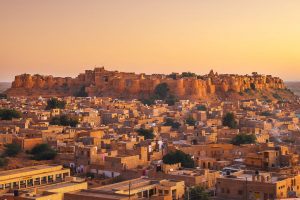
(65, 37)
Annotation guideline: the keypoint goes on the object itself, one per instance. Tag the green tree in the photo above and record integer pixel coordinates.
(161, 91)
(3, 96)
(190, 121)
(150, 101)
(43, 152)
(196, 193)
(171, 100)
(147, 133)
(178, 156)
(64, 120)
(229, 120)
(81, 92)
(243, 139)
(171, 122)
(188, 74)
(201, 108)
(266, 113)
(54, 103)
(173, 76)
(39, 148)
(11, 150)
(9, 114)
(3, 162)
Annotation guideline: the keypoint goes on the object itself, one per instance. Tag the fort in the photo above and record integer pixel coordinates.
(101, 82)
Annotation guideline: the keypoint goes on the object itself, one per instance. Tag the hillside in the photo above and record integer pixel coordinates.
(4, 86)
(294, 86)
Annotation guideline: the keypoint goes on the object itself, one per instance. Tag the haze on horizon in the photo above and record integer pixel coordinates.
(63, 38)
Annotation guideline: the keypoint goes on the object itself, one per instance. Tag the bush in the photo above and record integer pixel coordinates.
(171, 100)
(148, 102)
(201, 108)
(178, 156)
(172, 123)
(43, 152)
(13, 149)
(197, 193)
(47, 155)
(190, 121)
(39, 148)
(172, 76)
(266, 113)
(3, 162)
(147, 133)
(9, 114)
(54, 103)
(64, 120)
(243, 139)
(229, 120)
(188, 74)
(3, 96)
(277, 96)
(81, 92)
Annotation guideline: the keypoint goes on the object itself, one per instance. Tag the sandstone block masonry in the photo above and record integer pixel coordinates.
(101, 82)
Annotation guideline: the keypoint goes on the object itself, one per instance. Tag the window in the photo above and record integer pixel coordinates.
(240, 192)
(140, 195)
(160, 192)
(166, 192)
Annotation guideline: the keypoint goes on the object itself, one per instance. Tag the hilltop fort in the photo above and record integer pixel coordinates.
(101, 82)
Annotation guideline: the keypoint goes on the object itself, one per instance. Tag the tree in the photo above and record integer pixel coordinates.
(190, 121)
(3, 162)
(229, 120)
(43, 152)
(64, 120)
(9, 114)
(188, 74)
(81, 92)
(243, 139)
(201, 108)
(178, 156)
(171, 100)
(3, 96)
(266, 113)
(147, 133)
(172, 76)
(11, 150)
(54, 103)
(161, 91)
(172, 123)
(196, 193)
(148, 102)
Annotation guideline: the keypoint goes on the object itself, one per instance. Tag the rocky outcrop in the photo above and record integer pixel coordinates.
(100, 82)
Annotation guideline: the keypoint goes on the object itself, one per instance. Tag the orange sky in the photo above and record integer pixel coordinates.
(65, 37)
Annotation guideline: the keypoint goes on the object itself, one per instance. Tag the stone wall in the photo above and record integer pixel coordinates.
(100, 82)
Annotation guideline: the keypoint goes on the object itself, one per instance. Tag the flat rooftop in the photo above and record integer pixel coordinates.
(27, 169)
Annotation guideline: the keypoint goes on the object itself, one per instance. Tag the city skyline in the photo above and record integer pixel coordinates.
(63, 39)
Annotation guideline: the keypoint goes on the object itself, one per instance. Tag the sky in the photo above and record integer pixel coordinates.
(66, 37)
